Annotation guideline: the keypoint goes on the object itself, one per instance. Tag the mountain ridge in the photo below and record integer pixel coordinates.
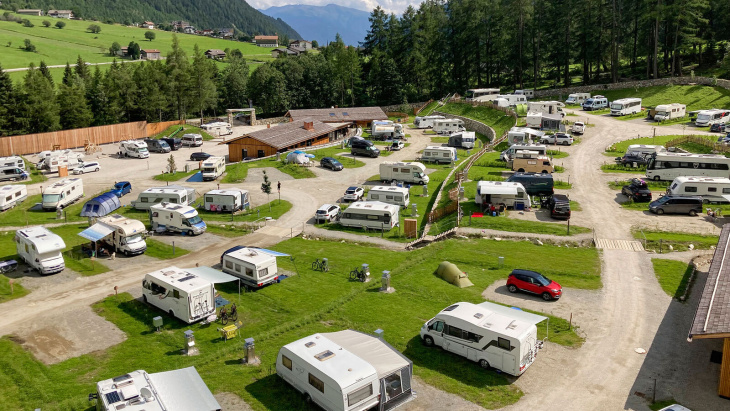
(322, 23)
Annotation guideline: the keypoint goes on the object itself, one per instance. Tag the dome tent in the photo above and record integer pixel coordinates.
(451, 273)
(101, 205)
(298, 157)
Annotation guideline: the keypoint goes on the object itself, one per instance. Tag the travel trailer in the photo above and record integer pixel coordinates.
(12, 161)
(390, 194)
(218, 128)
(448, 126)
(176, 218)
(124, 235)
(714, 116)
(405, 172)
(134, 149)
(57, 159)
(546, 107)
(523, 135)
(439, 154)
(664, 112)
(544, 121)
(529, 161)
(577, 98)
(711, 189)
(481, 94)
(510, 100)
(387, 132)
(40, 249)
(170, 194)
(213, 168)
(426, 121)
(529, 93)
(256, 267)
(12, 195)
(62, 193)
(625, 106)
(668, 166)
(463, 139)
(180, 293)
(192, 140)
(595, 103)
(646, 149)
(374, 215)
(347, 371)
(226, 200)
(509, 154)
(502, 193)
(492, 335)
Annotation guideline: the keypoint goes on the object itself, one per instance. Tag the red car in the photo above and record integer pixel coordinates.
(534, 283)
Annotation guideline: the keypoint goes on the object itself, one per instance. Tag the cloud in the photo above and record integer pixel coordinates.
(391, 6)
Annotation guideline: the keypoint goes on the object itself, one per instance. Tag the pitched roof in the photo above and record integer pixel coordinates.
(339, 114)
(287, 134)
(151, 51)
(712, 318)
(215, 52)
(266, 38)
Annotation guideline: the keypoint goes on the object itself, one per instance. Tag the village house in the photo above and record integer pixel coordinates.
(215, 54)
(150, 54)
(61, 14)
(360, 116)
(148, 25)
(266, 41)
(30, 12)
(300, 45)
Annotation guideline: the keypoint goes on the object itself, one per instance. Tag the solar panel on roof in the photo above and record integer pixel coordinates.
(332, 114)
(112, 397)
(190, 277)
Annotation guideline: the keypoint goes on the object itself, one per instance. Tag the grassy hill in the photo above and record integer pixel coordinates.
(695, 97)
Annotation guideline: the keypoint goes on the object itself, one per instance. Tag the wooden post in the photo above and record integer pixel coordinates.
(723, 389)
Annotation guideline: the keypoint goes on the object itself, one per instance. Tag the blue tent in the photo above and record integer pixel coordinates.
(101, 205)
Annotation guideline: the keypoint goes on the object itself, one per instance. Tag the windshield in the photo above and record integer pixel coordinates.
(543, 280)
(51, 198)
(616, 106)
(662, 113)
(209, 170)
(335, 163)
(49, 255)
(703, 117)
(589, 101)
(421, 175)
(134, 239)
(321, 211)
(164, 144)
(662, 200)
(195, 220)
(652, 163)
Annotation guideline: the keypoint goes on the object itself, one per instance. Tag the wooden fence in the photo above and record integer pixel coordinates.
(35, 143)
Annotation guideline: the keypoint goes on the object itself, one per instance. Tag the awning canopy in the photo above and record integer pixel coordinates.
(96, 232)
(211, 274)
(375, 351)
(184, 390)
(513, 312)
(272, 252)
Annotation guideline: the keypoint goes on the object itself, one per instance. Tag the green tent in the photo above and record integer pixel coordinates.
(451, 273)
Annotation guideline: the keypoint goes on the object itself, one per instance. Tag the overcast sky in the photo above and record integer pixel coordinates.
(396, 6)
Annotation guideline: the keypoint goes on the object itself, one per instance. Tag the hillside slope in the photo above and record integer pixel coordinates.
(322, 23)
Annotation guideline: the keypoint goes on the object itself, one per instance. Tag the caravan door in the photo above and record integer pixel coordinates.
(508, 363)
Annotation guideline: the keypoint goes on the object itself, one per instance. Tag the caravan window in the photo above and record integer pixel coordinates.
(173, 200)
(726, 190)
(176, 293)
(689, 189)
(711, 189)
(372, 217)
(229, 264)
(454, 332)
(504, 343)
(9, 198)
(238, 268)
(208, 199)
(316, 383)
(249, 272)
(263, 272)
(286, 361)
(374, 196)
(359, 395)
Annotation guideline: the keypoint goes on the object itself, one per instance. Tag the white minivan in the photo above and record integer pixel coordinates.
(192, 140)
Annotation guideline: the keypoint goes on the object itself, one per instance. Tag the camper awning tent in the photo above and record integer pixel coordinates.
(384, 358)
(96, 232)
(211, 274)
(184, 390)
(101, 205)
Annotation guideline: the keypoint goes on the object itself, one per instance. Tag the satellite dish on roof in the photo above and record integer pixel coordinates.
(145, 393)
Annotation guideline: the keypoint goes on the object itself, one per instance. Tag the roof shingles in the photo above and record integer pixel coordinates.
(714, 305)
(339, 114)
(286, 135)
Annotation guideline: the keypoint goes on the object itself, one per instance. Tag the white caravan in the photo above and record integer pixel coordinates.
(625, 106)
(439, 154)
(546, 107)
(448, 126)
(374, 215)
(714, 116)
(62, 193)
(509, 154)
(12, 195)
(406, 172)
(529, 93)
(510, 100)
(57, 159)
(481, 94)
(523, 135)
(133, 149)
(347, 371)
(40, 249)
(387, 131)
(711, 189)
(463, 139)
(213, 168)
(646, 149)
(125, 235)
(218, 128)
(493, 335)
(180, 293)
(12, 161)
(668, 166)
(256, 267)
(170, 194)
(666, 112)
(176, 218)
(577, 98)
(501, 192)
(533, 120)
(426, 121)
(227, 200)
(390, 194)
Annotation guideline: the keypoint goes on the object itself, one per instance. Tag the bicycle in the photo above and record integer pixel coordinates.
(318, 265)
(358, 274)
(226, 315)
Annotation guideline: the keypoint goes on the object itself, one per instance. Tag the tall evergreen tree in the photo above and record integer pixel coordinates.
(68, 75)
(8, 105)
(233, 84)
(73, 109)
(178, 76)
(202, 82)
(46, 72)
(39, 103)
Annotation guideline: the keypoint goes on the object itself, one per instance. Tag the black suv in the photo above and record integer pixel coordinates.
(536, 184)
(174, 143)
(631, 158)
(559, 205)
(637, 190)
(331, 163)
(363, 148)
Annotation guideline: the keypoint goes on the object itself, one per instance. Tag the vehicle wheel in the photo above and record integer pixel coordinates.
(307, 398)
(428, 341)
(544, 172)
(422, 183)
(190, 232)
(705, 201)
(512, 288)
(547, 296)
(484, 364)
(656, 178)
(144, 298)
(81, 172)
(660, 211)
(693, 213)
(97, 169)
(522, 170)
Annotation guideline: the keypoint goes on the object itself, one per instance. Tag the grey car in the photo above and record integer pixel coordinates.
(670, 204)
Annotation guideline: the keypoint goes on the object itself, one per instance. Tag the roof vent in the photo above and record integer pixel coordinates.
(310, 344)
(512, 325)
(478, 315)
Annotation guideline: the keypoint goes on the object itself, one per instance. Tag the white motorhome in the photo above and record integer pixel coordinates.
(176, 218)
(481, 94)
(426, 121)
(62, 193)
(510, 100)
(668, 166)
(596, 102)
(399, 196)
(174, 194)
(40, 249)
(577, 98)
(646, 149)
(227, 200)
(124, 235)
(533, 120)
(12, 195)
(523, 135)
(546, 107)
(387, 131)
(714, 116)
(218, 128)
(407, 172)
(374, 215)
(625, 106)
(509, 154)
(213, 168)
(463, 139)
(492, 335)
(180, 293)
(501, 192)
(12, 161)
(134, 149)
(192, 140)
(439, 154)
(529, 93)
(666, 112)
(256, 267)
(711, 189)
(448, 126)
(57, 159)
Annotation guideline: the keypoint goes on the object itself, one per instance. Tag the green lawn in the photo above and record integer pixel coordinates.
(556, 154)
(504, 223)
(273, 209)
(695, 97)
(429, 108)
(162, 251)
(230, 231)
(74, 258)
(236, 173)
(620, 148)
(179, 130)
(678, 241)
(5, 295)
(641, 114)
(347, 162)
(22, 214)
(36, 176)
(175, 176)
(618, 168)
(498, 120)
(673, 276)
(653, 185)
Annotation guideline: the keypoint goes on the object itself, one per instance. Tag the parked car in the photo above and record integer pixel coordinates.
(534, 283)
(199, 156)
(331, 163)
(670, 204)
(559, 205)
(578, 127)
(719, 128)
(557, 138)
(637, 190)
(122, 188)
(629, 159)
(353, 194)
(327, 213)
(174, 143)
(397, 145)
(89, 167)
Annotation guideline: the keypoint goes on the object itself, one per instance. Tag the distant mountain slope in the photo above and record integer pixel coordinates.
(322, 23)
(208, 14)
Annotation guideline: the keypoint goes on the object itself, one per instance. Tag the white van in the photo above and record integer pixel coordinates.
(577, 98)
(217, 128)
(439, 154)
(546, 107)
(714, 116)
(625, 106)
(134, 149)
(180, 293)
(664, 112)
(174, 194)
(387, 131)
(501, 192)
(510, 100)
(12, 195)
(492, 335)
(426, 121)
(711, 189)
(176, 218)
(12, 161)
(509, 154)
(481, 94)
(213, 168)
(40, 249)
(62, 193)
(463, 139)
(374, 215)
(595, 103)
(256, 267)
(390, 194)
(226, 200)
(192, 140)
(523, 135)
(411, 172)
(125, 234)
(448, 126)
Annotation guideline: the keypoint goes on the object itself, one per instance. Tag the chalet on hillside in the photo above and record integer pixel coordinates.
(61, 14)
(300, 45)
(215, 54)
(150, 54)
(275, 53)
(226, 33)
(148, 25)
(266, 41)
(360, 116)
(30, 12)
(123, 51)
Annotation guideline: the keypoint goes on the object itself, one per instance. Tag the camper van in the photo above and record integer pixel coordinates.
(405, 172)
(13, 173)
(529, 161)
(12, 195)
(176, 218)
(714, 116)
(510, 100)
(546, 107)
(463, 139)
(625, 106)
(180, 293)
(192, 140)
(427, 121)
(256, 267)
(40, 249)
(711, 189)
(134, 149)
(157, 145)
(666, 112)
(529, 93)
(509, 154)
(577, 98)
(523, 135)
(595, 103)
(646, 149)
(374, 215)
(439, 154)
(387, 131)
(448, 126)
(62, 193)
(501, 193)
(668, 166)
(125, 235)
(12, 161)
(213, 168)
(481, 94)
(362, 147)
(174, 194)
(492, 335)
(226, 200)
(390, 194)
(218, 128)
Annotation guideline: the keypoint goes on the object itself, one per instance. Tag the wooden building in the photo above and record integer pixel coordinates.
(266, 41)
(360, 116)
(284, 137)
(150, 54)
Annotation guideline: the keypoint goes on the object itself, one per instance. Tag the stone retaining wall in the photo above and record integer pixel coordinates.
(470, 124)
(272, 120)
(399, 107)
(687, 80)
